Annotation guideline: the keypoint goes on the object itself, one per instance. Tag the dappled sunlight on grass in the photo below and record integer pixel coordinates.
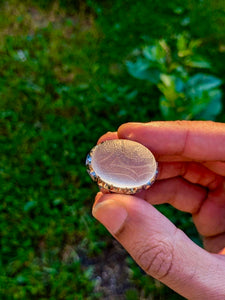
(63, 83)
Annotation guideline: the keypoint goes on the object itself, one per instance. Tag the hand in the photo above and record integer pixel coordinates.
(191, 156)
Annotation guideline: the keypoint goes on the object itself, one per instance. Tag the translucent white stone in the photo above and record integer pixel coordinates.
(123, 163)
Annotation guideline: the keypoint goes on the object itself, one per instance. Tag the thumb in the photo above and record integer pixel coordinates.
(160, 248)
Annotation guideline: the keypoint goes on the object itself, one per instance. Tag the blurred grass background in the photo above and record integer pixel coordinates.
(64, 82)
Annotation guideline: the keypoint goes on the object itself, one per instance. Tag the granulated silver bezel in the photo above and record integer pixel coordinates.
(111, 188)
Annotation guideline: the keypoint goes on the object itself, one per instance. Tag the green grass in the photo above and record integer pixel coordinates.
(63, 83)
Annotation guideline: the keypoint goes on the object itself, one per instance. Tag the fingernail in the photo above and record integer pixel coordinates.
(97, 197)
(126, 130)
(111, 214)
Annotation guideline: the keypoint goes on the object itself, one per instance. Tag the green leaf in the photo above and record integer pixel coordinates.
(173, 110)
(167, 80)
(138, 68)
(205, 98)
(29, 206)
(141, 70)
(184, 53)
(202, 82)
(197, 62)
(181, 43)
(164, 107)
(172, 88)
(155, 53)
(179, 85)
(214, 107)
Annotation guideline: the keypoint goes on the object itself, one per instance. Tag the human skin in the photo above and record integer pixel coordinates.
(191, 157)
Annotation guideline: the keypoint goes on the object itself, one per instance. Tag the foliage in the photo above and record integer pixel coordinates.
(185, 93)
(63, 83)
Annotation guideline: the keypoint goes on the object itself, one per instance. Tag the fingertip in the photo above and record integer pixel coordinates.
(222, 252)
(112, 214)
(100, 197)
(126, 130)
(107, 136)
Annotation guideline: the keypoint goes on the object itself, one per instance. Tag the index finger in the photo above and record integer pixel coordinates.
(195, 140)
(108, 136)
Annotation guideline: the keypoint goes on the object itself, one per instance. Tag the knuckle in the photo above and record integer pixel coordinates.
(156, 260)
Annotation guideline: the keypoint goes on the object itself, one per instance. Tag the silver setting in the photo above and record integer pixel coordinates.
(115, 189)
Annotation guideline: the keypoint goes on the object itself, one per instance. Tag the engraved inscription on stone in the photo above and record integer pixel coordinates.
(123, 163)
